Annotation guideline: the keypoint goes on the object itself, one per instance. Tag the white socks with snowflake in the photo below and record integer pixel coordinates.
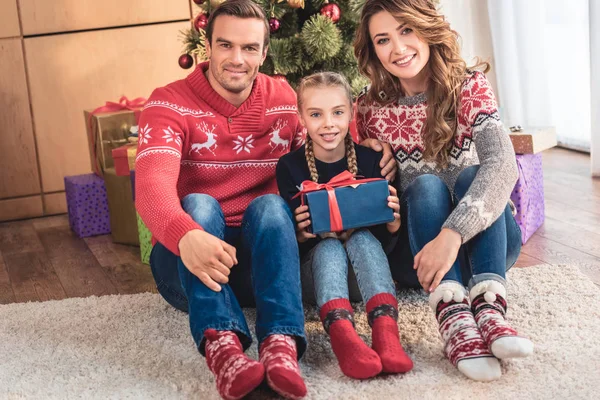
(464, 345)
(488, 302)
(477, 334)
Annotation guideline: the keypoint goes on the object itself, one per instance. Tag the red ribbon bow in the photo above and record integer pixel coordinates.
(344, 179)
(124, 103)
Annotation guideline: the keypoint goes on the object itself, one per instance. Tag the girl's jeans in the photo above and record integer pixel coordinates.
(425, 206)
(267, 274)
(325, 269)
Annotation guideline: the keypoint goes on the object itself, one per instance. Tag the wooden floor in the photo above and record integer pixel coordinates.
(41, 259)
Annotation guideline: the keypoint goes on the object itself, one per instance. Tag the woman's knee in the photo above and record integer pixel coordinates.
(464, 181)
(426, 191)
(203, 209)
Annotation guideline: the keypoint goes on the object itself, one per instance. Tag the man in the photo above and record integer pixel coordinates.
(205, 170)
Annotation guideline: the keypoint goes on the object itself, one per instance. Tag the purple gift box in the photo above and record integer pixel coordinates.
(87, 205)
(528, 194)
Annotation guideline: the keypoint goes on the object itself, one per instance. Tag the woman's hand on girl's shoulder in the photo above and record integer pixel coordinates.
(302, 217)
(394, 204)
(388, 163)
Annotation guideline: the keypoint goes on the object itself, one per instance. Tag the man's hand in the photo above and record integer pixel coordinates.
(207, 257)
(388, 163)
(302, 218)
(436, 258)
(394, 204)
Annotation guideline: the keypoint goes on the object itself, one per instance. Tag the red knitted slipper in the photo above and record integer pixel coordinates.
(280, 358)
(236, 374)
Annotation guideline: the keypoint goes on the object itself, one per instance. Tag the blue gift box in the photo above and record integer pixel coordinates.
(360, 206)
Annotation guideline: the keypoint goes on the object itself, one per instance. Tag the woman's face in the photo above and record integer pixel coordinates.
(401, 52)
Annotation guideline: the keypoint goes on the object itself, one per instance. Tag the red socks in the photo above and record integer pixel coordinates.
(356, 359)
(236, 374)
(280, 358)
(382, 312)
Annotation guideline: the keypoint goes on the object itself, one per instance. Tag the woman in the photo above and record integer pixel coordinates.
(456, 172)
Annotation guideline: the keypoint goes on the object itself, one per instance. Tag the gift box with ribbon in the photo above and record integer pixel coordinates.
(124, 159)
(528, 195)
(109, 127)
(346, 202)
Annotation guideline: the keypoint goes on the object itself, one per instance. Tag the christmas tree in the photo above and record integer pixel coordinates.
(306, 36)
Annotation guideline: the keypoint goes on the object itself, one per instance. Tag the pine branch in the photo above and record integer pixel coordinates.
(286, 55)
(321, 38)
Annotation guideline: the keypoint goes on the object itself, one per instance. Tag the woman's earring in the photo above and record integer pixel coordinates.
(382, 95)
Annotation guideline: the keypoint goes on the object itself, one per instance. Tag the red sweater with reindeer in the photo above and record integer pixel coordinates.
(192, 140)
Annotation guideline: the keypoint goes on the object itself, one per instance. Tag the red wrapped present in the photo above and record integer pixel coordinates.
(124, 159)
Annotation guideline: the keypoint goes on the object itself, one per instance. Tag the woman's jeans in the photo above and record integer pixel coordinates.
(425, 205)
(267, 274)
(325, 269)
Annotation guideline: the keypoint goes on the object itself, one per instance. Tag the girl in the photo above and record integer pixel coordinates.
(325, 110)
(457, 172)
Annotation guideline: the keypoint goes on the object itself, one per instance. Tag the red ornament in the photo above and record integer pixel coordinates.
(201, 22)
(199, 1)
(186, 61)
(274, 24)
(279, 77)
(331, 11)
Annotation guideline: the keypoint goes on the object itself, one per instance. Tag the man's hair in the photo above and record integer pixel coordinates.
(240, 9)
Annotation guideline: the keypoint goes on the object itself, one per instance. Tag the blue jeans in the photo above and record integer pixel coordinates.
(267, 274)
(327, 265)
(425, 205)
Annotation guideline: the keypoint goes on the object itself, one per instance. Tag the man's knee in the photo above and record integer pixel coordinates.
(202, 208)
(464, 181)
(269, 210)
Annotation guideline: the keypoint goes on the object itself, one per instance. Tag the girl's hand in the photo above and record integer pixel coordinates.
(302, 222)
(436, 258)
(394, 204)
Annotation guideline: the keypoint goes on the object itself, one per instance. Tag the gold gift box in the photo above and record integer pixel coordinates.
(533, 140)
(106, 132)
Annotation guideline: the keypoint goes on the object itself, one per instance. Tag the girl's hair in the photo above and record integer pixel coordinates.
(446, 70)
(327, 80)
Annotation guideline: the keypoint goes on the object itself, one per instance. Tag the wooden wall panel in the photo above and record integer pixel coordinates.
(24, 207)
(72, 72)
(18, 165)
(55, 203)
(43, 16)
(9, 19)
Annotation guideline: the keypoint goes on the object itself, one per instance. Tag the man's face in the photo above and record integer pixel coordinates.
(236, 53)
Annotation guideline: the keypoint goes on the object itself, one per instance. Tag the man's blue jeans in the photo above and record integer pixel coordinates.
(267, 274)
(425, 205)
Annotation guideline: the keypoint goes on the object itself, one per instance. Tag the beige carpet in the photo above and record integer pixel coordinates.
(138, 347)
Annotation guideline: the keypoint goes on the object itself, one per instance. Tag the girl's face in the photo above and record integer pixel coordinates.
(326, 114)
(401, 52)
